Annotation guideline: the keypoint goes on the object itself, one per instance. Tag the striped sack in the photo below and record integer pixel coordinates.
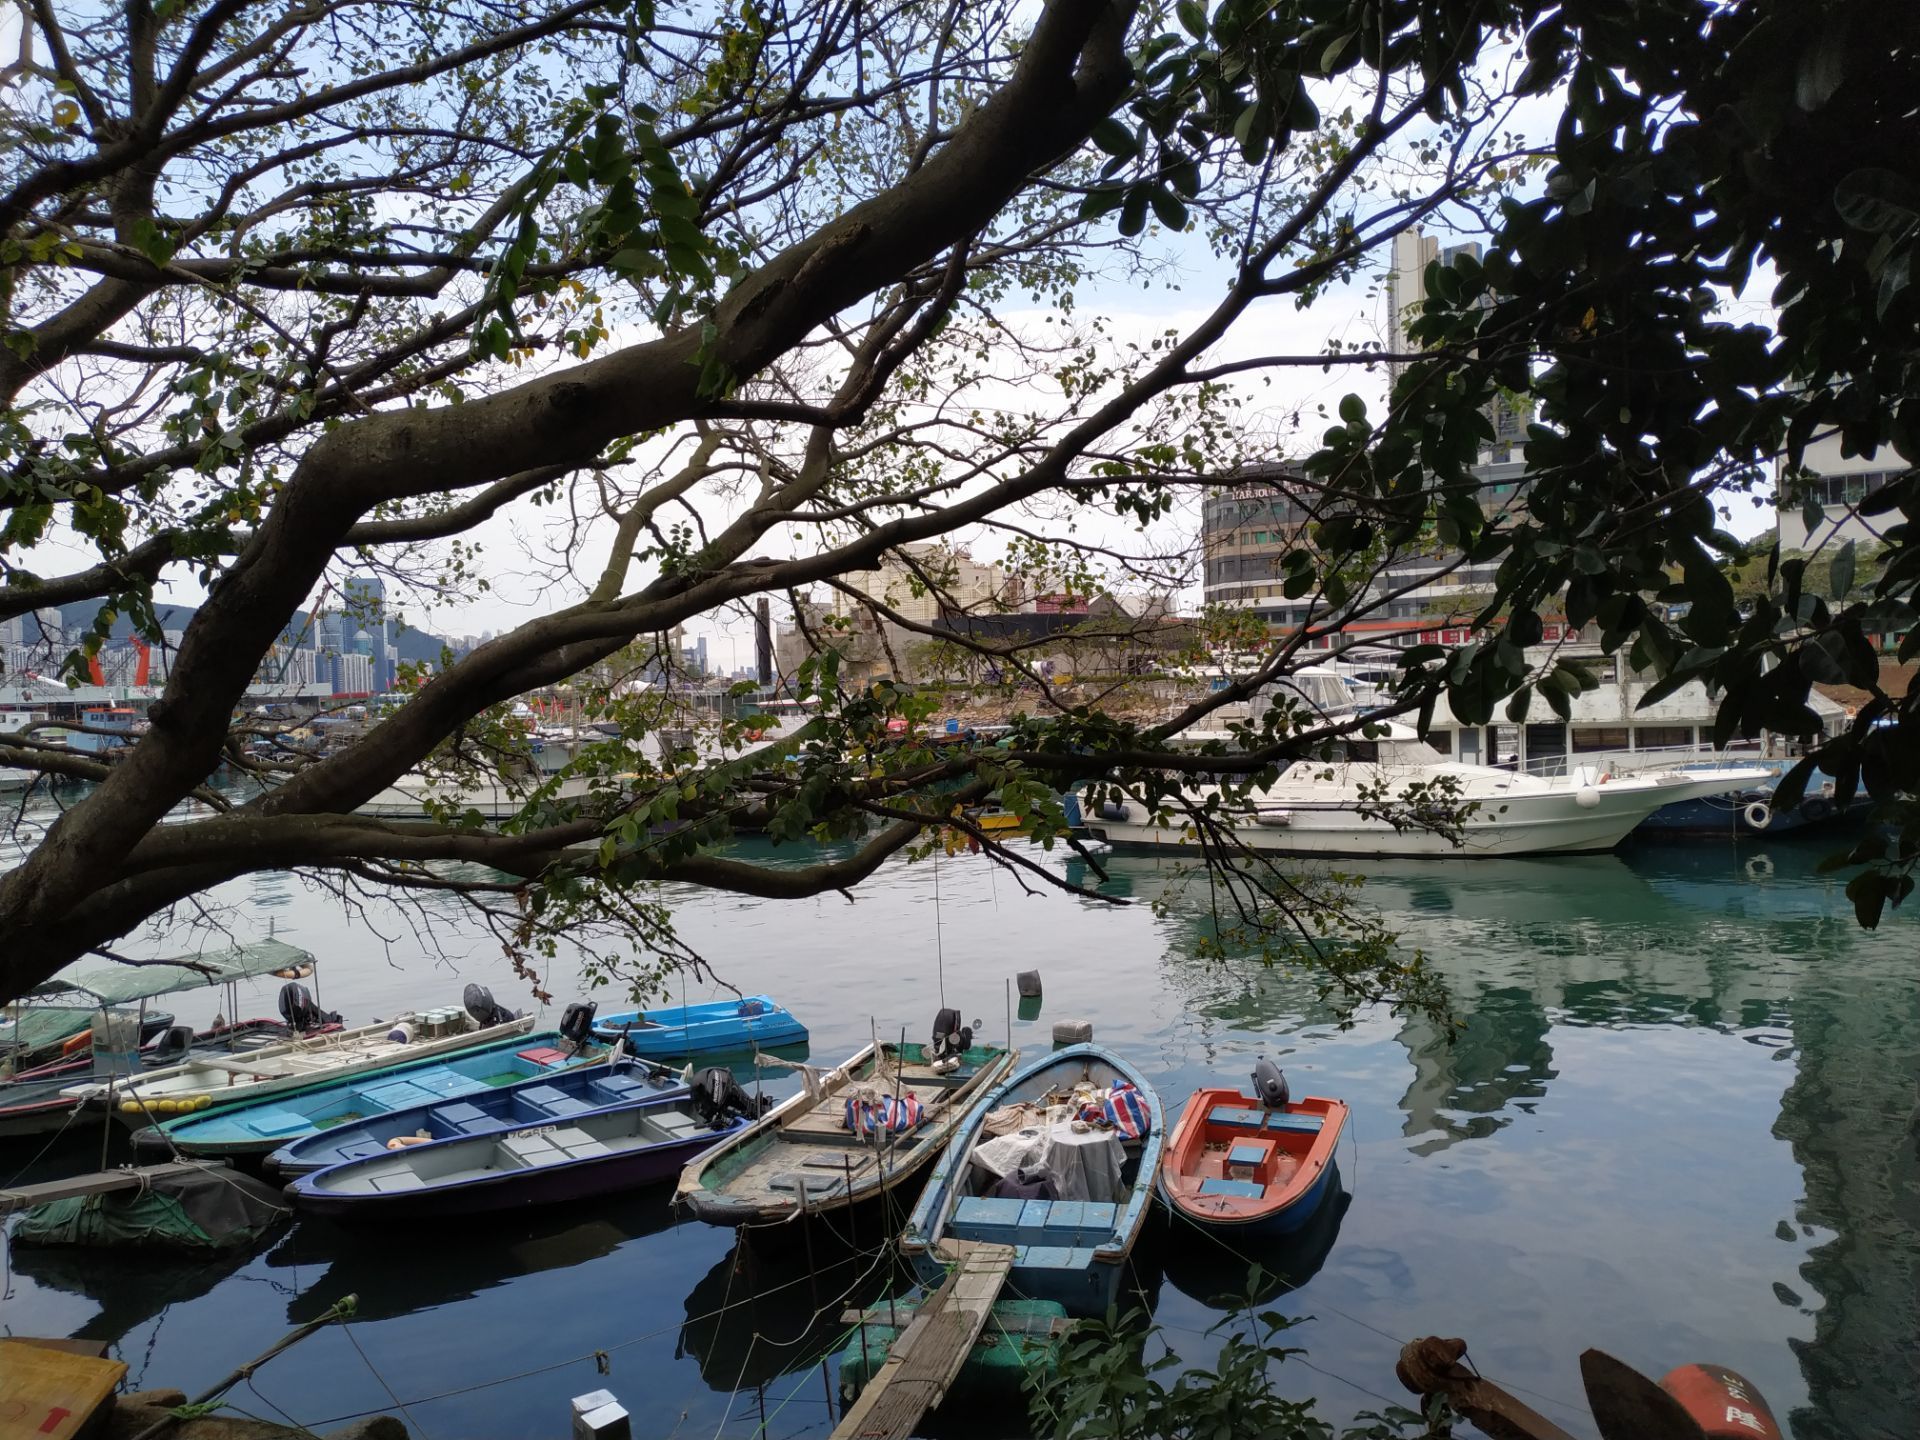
(887, 1113)
(1126, 1110)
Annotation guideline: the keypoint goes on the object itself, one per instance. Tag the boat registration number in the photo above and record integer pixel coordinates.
(532, 1131)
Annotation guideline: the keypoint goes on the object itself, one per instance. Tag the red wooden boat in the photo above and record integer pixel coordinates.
(1233, 1163)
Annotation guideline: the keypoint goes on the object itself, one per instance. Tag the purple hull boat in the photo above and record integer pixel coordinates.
(600, 1152)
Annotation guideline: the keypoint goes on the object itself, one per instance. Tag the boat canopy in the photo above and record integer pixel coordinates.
(118, 984)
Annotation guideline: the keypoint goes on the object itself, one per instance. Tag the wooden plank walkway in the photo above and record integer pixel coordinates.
(927, 1358)
(100, 1182)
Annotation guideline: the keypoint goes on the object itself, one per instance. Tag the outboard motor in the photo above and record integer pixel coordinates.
(576, 1023)
(172, 1044)
(480, 1004)
(717, 1097)
(298, 1007)
(950, 1041)
(1270, 1084)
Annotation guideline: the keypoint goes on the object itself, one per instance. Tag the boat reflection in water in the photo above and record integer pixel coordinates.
(131, 1287)
(396, 1274)
(762, 1312)
(1219, 1271)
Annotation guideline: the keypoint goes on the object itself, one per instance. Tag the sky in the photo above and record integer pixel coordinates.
(1289, 405)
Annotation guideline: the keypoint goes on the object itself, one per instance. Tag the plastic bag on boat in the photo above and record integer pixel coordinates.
(868, 1114)
(1126, 1110)
(1024, 1184)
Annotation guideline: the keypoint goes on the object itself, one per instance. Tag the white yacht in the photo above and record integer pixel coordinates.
(1331, 807)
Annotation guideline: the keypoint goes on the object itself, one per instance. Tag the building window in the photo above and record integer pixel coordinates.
(1849, 489)
(1587, 738)
(1654, 737)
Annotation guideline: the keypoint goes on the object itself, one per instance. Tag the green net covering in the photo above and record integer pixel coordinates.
(215, 1210)
(124, 984)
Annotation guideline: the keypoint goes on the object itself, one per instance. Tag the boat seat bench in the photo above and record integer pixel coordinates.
(468, 1119)
(556, 1103)
(1243, 1117)
(1243, 1189)
(1033, 1222)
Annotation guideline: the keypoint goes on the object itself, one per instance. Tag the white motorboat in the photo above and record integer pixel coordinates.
(415, 797)
(1332, 807)
(207, 1081)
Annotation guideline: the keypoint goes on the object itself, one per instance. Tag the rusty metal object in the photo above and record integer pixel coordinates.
(1431, 1366)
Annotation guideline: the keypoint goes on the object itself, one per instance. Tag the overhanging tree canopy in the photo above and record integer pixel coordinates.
(292, 289)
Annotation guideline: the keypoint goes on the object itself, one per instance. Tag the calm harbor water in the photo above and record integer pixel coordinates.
(1678, 1124)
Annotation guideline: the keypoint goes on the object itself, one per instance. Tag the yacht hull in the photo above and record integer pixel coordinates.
(1563, 820)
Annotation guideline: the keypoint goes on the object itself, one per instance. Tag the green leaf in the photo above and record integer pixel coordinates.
(1812, 514)
(1841, 579)
(1193, 18)
(1167, 205)
(1519, 704)
(1792, 785)
(1133, 212)
(1116, 139)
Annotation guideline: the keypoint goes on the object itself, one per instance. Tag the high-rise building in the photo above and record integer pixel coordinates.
(367, 613)
(1412, 253)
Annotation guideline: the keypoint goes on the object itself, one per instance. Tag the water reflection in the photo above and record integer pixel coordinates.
(764, 1312)
(403, 1271)
(1217, 1270)
(1851, 1118)
(131, 1289)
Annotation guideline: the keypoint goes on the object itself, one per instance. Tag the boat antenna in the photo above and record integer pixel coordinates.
(939, 950)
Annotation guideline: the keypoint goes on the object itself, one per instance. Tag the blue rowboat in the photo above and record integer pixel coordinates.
(681, 1031)
(1068, 1250)
(239, 1131)
(539, 1100)
(597, 1152)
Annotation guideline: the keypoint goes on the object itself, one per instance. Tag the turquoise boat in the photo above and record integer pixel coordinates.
(545, 1099)
(1068, 1250)
(243, 1131)
(679, 1032)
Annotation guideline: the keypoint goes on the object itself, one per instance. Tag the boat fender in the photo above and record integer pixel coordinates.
(1759, 815)
(576, 1022)
(1586, 797)
(1722, 1402)
(1815, 808)
(401, 1034)
(1270, 1084)
(1760, 867)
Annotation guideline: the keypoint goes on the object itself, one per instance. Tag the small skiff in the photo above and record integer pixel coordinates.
(680, 1032)
(1070, 1249)
(574, 1157)
(209, 1081)
(1235, 1164)
(807, 1158)
(235, 1132)
(540, 1099)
